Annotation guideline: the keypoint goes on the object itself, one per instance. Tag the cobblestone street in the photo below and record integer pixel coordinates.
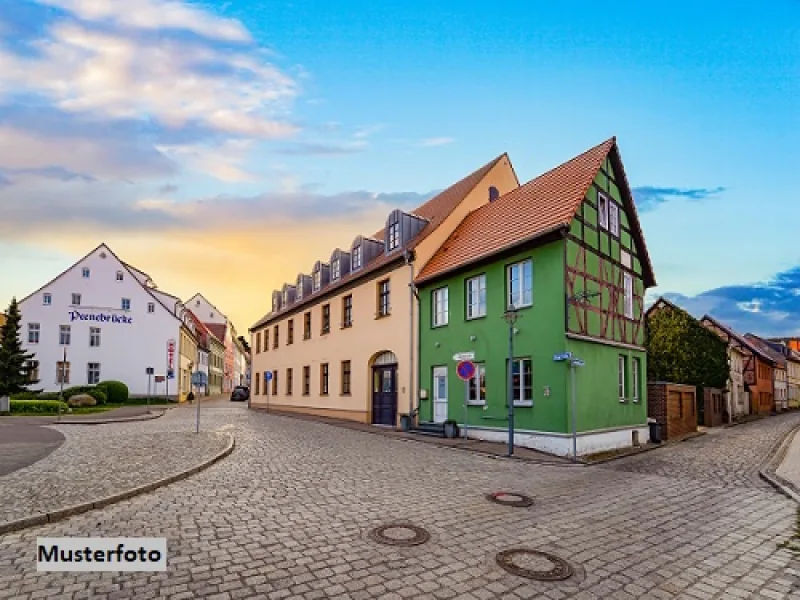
(287, 514)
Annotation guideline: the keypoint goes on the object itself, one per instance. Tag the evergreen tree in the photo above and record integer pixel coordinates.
(13, 368)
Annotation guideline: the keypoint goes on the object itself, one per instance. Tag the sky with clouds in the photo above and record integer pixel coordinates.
(223, 147)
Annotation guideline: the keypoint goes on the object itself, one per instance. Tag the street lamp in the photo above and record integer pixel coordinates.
(511, 315)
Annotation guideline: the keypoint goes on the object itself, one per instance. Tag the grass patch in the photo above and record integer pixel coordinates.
(793, 543)
(87, 410)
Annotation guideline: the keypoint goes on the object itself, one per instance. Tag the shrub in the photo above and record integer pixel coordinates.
(48, 396)
(25, 396)
(98, 394)
(116, 391)
(45, 407)
(75, 390)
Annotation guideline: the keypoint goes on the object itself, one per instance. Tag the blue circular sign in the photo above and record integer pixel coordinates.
(466, 370)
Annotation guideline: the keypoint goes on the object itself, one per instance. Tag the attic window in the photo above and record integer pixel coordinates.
(394, 236)
(299, 288)
(494, 193)
(85, 272)
(357, 257)
(197, 303)
(317, 280)
(613, 218)
(602, 210)
(335, 270)
(120, 276)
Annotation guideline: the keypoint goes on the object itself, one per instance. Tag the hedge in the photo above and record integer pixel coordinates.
(99, 395)
(46, 407)
(116, 391)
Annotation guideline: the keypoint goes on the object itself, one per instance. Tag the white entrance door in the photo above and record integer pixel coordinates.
(439, 394)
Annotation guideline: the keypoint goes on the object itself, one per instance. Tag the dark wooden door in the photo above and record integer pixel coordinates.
(384, 395)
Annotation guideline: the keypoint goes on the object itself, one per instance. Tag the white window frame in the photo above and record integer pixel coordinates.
(335, 269)
(124, 302)
(621, 364)
(518, 390)
(523, 299)
(76, 299)
(602, 210)
(317, 280)
(47, 299)
(151, 307)
(613, 218)
(34, 333)
(64, 335)
(476, 296)
(358, 257)
(86, 272)
(475, 385)
(89, 371)
(440, 307)
(94, 337)
(627, 284)
(636, 365)
(393, 236)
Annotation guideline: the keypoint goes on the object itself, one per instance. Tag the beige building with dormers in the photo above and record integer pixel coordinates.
(341, 341)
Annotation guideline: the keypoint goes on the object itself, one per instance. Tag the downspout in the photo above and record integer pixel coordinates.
(407, 256)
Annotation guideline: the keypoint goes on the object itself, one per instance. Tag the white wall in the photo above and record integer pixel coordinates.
(204, 311)
(126, 349)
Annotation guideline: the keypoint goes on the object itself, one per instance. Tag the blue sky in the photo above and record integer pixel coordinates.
(285, 128)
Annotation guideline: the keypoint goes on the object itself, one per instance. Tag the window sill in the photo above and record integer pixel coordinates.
(476, 402)
(476, 318)
(523, 403)
(439, 326)
(323, 394)
(623, 400)
(383, 316)
(325, 332)
(346, 326)
(346, 394)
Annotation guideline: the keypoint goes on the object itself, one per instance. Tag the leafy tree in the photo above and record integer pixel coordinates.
(14, 376)
(681, 350)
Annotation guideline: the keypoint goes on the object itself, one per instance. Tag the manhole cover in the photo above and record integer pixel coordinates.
(510, 499)
(533, 564)
(400, 534)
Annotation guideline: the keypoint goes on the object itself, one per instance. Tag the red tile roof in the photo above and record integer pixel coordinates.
(746, 343)
(544, 205)
(217, 330)
(435, 211)
(762, 345)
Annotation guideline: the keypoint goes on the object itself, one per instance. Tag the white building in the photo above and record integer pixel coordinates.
(110, 321)
(236, 365)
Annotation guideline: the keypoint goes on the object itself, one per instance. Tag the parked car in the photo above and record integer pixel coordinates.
(240, 393)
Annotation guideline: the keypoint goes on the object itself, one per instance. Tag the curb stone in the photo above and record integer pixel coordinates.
(648, 448)
(774, 459)
(147, 417)
(63, 513)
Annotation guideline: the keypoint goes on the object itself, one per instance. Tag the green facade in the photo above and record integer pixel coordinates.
(542, 330)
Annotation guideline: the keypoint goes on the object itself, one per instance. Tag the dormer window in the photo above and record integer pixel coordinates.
(357, 257)
(317, 280)
(335, 269)
(285, 297)
(394, 236)
(300, 288)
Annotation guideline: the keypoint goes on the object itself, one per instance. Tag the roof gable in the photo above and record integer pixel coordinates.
(741, 340)
(544, 205)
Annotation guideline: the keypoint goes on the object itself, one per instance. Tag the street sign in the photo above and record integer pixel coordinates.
(159, 378)
(578, 362)
(198, 378)
(268, 375)
(466, 370)
(170, 356)
(171, 374)
(464, 356)
(150, 370)
(563, 356)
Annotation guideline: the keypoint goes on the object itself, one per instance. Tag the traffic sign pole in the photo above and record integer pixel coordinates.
(465, 369)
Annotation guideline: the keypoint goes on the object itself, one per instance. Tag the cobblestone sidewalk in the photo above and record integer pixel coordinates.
(91, 465)
(789, 469)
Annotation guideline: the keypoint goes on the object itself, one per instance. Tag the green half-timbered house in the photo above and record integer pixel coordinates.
(563, 256)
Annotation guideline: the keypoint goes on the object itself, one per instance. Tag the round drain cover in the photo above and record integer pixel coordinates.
(510, 499)
(533, 564)
(400, 534)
